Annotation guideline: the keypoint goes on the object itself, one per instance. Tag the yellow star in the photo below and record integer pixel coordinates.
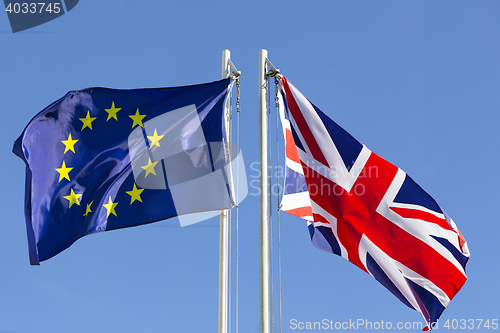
(155, 139)
(137, 118)
(135, 194)
(110, 206)
(87, 121)
(112, 112)
(64, 172)
(73, 198)
(88, 208)
(150, 168)
(70, 144)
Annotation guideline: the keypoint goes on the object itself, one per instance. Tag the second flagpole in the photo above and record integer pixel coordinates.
(263, 199)
(265, 310)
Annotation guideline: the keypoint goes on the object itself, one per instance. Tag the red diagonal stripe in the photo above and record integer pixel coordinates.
(291, 149)
(302, 124)
(461, 240)
(409, 213)
(300, 212)
(321, 218)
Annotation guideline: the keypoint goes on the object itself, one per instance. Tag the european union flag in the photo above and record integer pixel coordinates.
(101, 159)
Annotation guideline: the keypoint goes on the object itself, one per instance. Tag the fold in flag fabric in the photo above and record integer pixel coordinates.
(101, 159)
(369, 211)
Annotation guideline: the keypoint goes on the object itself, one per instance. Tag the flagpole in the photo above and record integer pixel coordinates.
(264, 222)
(224, 234)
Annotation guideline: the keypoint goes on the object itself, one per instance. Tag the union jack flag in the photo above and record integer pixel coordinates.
(369, 211)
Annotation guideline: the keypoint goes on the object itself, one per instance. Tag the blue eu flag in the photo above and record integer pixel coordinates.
(101, 159)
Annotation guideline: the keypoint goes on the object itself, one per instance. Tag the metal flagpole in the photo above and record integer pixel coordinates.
(228, 69)
(224, 234)
(263, 213)
(264, 223)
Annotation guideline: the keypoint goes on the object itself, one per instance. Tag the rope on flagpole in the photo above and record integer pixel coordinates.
(270, 202)
(236, 75)
(237, 195)
(276, 98)
(230, 214)
(229, 224)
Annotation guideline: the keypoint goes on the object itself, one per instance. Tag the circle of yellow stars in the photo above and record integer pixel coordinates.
(69, 147)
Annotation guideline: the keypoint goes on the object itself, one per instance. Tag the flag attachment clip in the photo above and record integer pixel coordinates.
(273, 71)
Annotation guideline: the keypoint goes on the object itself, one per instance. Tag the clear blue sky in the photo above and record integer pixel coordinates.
(416, 81)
